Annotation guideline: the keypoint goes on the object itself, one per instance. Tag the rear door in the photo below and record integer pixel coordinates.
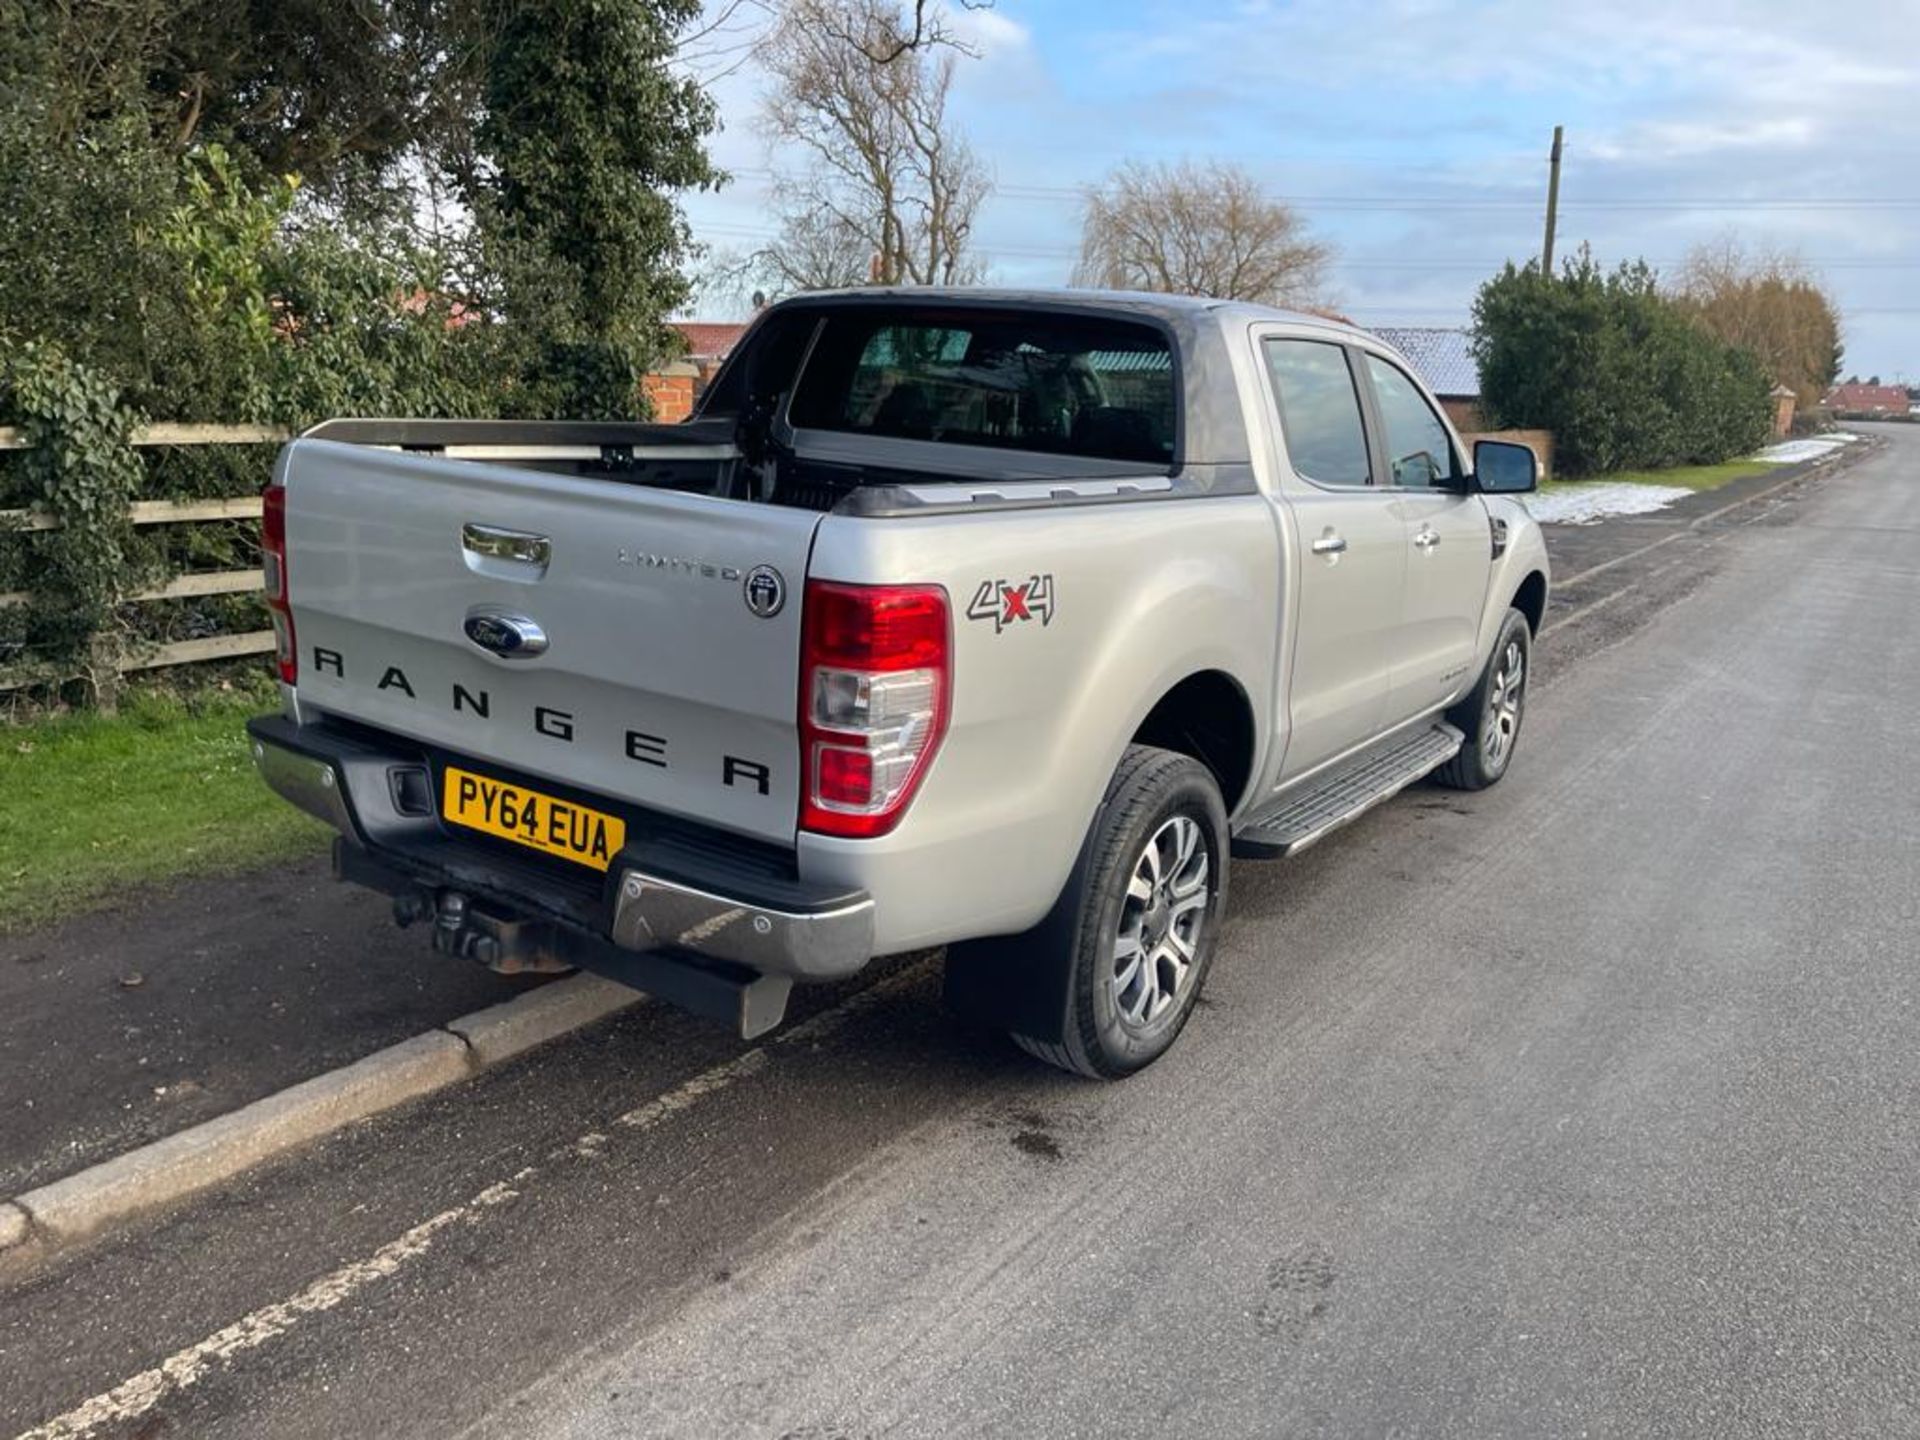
(1449, 555)
(671, 625)
(1350, 543)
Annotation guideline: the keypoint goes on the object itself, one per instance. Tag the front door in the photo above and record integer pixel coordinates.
(1350, 555)
(1448, 547)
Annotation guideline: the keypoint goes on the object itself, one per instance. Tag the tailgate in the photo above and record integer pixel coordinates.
(671, 625)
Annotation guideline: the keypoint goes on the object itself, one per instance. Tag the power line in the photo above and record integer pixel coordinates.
(1026, 251)
(1402, 203)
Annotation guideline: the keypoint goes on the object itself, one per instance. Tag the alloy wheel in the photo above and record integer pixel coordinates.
(1506, 697)
(1160, 922)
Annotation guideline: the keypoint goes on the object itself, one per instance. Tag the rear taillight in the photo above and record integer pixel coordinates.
(273, 568)
(875, 679)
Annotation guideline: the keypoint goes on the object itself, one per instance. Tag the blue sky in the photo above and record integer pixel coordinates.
(1413, 136)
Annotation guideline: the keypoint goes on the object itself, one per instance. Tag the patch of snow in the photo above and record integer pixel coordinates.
(1812, 447)
(1587, 503)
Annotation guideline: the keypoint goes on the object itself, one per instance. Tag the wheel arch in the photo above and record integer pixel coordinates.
(1531, 599)
(1208, 717)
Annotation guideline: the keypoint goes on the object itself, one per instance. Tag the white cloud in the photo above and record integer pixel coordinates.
(1673, 139)
(990, 33)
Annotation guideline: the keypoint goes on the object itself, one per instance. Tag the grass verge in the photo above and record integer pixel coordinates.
(1681, 477)
(90, 804)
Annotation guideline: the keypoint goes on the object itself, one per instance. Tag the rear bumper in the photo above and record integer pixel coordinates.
(655, 912)
(676, 891)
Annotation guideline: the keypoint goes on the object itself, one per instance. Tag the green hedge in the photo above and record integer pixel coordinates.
(1616, 370)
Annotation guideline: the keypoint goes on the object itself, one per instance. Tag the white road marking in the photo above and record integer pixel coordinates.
(184, 1369)
(134, 1398)
(645, 1117)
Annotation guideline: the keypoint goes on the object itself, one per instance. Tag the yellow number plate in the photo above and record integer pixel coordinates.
(540, 822)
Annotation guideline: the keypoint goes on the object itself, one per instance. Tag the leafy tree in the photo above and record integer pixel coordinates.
(1197, 230)
(585, 132)
(335, 90)
(1617, 370)
(554, 132)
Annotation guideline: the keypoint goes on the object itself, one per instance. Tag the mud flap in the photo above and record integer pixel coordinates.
(1023, 984)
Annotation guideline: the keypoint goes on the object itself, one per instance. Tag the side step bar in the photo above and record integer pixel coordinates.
(1346, 792)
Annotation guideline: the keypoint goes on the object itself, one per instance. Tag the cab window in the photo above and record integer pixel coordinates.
(1319, 411)
(1060, 384)
(1418, 451)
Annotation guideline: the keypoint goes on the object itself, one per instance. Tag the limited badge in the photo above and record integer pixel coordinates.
(765, 590)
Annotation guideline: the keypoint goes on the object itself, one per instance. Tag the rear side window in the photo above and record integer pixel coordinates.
(761, 368)
(1319, 411)
(1058, 384)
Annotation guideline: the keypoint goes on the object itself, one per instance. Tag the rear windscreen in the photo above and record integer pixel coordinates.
(1058, 384)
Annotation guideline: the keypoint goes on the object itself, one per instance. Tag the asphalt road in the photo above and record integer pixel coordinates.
(1587, 1105)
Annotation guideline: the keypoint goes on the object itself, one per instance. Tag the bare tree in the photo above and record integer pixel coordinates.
(862, 90)
(928, 30)
(815, 250)
(1769, 302)
(1192, 229)
(732, 31)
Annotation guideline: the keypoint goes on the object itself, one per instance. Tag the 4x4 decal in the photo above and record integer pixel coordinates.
(1006, 602)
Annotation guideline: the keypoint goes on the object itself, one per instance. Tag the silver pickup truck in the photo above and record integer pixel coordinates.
(994, 621)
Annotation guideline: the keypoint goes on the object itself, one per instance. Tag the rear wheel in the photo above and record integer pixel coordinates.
(1143, 912)
(1491, 712)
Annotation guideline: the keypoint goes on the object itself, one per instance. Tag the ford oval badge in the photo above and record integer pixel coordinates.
(511, 637)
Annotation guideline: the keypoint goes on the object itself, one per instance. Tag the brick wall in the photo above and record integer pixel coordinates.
(1784, 401)
(672, 391)
(671, 397)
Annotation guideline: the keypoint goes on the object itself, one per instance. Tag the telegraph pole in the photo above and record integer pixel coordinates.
(1553, 204)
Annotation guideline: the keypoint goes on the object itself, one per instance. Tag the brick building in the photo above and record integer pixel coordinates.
(676, 385)
(1868, 401)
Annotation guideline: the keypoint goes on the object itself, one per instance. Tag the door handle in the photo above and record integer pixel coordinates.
(1330, 544)
(1426, 540)
(490, 542)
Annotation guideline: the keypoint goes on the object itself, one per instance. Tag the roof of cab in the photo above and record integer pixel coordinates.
(1138, 302)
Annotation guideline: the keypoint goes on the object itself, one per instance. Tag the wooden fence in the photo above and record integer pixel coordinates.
(168, 512)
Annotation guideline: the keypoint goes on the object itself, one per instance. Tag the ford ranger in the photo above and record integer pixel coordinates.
(987, 620)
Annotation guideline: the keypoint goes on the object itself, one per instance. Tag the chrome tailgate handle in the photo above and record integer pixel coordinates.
(490, 542)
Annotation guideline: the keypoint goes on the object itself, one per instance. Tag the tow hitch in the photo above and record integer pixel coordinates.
(504, 944)
(474, 928)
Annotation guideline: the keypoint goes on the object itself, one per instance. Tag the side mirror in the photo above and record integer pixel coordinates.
(1502, 468)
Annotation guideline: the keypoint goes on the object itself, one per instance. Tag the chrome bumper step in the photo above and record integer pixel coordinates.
(1345, 792)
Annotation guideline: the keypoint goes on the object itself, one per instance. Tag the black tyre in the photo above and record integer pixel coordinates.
(1140, 918)
(1490, 714)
